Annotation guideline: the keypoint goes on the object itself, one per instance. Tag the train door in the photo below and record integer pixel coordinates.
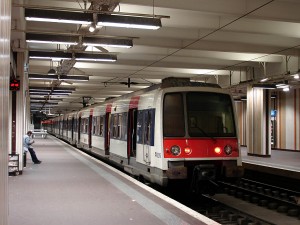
(107, 133)
(90, 130)
(147, 136)
(72, 130)
(131, 133)
(66, 129)
(79, 126)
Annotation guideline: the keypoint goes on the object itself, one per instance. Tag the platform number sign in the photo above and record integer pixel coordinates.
(14, 85)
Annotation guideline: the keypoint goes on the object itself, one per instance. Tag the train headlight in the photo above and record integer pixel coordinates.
(228, 149)
(218, 150)
(175, 150)
(187, 150)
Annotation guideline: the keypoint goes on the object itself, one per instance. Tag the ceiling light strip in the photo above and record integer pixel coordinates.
(58, 16)
(129, 22)
(74, 40)
(95, 57)
(139, 22)
(60, 77)
(50, 55)
(52, 88)
(108, 42)
(68, 56)
(53, 39)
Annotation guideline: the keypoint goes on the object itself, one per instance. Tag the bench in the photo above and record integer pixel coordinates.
(39, 132)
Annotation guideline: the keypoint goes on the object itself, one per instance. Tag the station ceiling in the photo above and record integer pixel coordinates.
(227, 42)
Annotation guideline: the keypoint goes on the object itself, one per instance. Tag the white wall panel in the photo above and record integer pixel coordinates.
(5, 22)
(289, 121)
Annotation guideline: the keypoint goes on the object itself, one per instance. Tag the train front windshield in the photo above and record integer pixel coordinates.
(198, 114)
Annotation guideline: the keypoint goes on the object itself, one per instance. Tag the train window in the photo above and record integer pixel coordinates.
(140, 127)
(115, 126)
(119, 134)
(149, 115)
(70, 124)
(173, 110)
(209, 115)
(101, 131)
(75, 125)
(84, 125)
(95, 119)
(124, 126)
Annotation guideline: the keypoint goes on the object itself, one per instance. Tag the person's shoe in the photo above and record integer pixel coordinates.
(38, 162)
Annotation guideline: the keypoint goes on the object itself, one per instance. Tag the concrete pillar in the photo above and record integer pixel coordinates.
(258, 122)
(5, 23)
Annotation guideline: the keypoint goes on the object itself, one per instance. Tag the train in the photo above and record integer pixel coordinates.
(177, 130)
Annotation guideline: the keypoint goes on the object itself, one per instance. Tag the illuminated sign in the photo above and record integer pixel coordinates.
(14, 85)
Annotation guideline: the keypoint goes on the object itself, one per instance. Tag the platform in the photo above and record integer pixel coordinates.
(70, 187)
(281, 162)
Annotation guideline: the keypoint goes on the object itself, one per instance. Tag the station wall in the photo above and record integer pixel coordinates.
(285, 118)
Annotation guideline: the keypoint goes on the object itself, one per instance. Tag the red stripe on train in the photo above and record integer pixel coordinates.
(134, 102)
(200, 148)
(108, 107)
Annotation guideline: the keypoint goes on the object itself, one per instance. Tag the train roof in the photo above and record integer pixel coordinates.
(166, 83)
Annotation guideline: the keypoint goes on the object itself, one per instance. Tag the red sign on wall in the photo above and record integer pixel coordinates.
(14, 85)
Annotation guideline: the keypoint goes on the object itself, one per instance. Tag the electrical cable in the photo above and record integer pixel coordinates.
(197, 40)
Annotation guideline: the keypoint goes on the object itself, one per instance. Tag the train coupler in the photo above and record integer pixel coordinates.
(203, 179)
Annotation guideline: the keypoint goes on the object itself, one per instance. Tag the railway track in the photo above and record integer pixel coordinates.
(269, 196)
(224, 214)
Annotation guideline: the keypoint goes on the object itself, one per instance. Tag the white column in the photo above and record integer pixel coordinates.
(20, 108)
(258, 122)
(5, 21)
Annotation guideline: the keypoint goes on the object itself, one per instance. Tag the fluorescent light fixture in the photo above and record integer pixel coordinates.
(74, 77)
(44, 99)
(285, 89)
(50, 55)
(58, 16)
(41, 103)
(42, 77)
(95, 57)
(264, 86)
(52, 39)
(68, 56)
(273, 96)
(39, 93)
(140, 22)
(108, 42)
(52, 88)
(59, 93)
(61, 77)
(62, 91)
(129, 21)
(264, 79)
(282, 86)
(73, 40)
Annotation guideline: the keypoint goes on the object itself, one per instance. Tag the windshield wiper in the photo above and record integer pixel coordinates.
(203, 132)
